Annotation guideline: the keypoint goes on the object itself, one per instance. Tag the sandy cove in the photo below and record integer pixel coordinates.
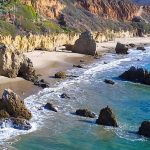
(48, 63)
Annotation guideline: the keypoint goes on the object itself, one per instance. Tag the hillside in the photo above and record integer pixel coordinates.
(46, 16)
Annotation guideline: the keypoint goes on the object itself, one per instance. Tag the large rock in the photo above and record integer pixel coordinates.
(60, 75)
(14, 106)
(85, 113)
(121, 49)
(107, 118)
(145, 129)
(13, 64)
(85, 44)
(50, 106)
(139, 75)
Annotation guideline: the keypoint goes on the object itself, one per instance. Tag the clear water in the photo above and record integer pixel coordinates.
(65, 131)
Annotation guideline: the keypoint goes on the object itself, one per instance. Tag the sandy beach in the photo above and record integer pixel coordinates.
(48, 63)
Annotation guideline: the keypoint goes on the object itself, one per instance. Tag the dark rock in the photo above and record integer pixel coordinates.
(21, 124)
(145, 129)
(82, 61)
(141, 48)
(60, 74)
(139, 75)
(65, 96)
(107, 118)
(85, 113)
(109, 81)
(41, 83)
(132, 45)
(121, 49)
(85, 44)
(49, 106)
(4, 114)
(78, 66)
(68, 47)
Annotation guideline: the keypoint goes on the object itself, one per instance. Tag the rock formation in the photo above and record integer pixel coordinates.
(60, 75)
(85, 113)
(85, 44)
(109, 81)
(107, 118)
(14, 64)
(145, 129)
(142, 48)
(49, 106)
(13, 111)
(121, 49)
(139, 75)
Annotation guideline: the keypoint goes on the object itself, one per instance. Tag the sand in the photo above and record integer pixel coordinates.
(48, 63)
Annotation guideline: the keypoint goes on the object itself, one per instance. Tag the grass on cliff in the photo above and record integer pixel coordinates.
(7, 28)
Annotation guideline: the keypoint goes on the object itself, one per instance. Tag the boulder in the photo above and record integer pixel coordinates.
(41, 83)
(49, 106)
(121, 49)
(142, 48)
(132, 45)
(109, 81)
(65, 96)
(14, 106)
(78, 66)
(60, 74)
(139, 75)
(85, 44)
(85, 113)
(107, 118)
(144, 129)
(14, 64)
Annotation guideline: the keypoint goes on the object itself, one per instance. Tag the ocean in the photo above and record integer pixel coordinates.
(65, 131)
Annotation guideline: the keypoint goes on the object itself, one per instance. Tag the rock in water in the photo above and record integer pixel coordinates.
(13, 64)
(107, 118)
(65, 96)
(142, 48)
(139, 75)
(60, 75)
(85, 44)
(145, 129)
(121, 49)
(85, 113)
(109, 81)
(49, 106)
(41, 83)
(14, 105)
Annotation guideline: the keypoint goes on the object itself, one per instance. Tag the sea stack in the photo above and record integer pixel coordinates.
(145, 129)
(107, 118)
(121, 49)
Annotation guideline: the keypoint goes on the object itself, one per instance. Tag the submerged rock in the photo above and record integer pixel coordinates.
(139, 75)
(142, 48)
(60, 74)
(15, 64)
(121, 49)
(65, 96)
(78, 66)
(85, 113)
(109, 81)
(85, 44)
(50, 106)
(145, 129)
(41, 83)
(107, 118)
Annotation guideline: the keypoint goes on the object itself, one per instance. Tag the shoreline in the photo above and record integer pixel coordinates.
(48, 63)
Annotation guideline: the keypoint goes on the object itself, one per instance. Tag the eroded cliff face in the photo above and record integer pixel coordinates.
(23, 44)
(111, 9)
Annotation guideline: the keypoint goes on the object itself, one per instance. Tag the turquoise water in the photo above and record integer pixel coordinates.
(65, 131)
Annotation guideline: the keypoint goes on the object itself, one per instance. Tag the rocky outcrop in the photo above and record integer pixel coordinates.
(107, 118)
(13, 111)
(85, 44)
(60, 75)
(142, 48)
(49, 106)
(41, 83)
(109, 81)
(139, 75)
(145, 129)
(121, 49)
(85, 113)
(15, 64)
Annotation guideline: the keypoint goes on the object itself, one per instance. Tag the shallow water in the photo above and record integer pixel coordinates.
(65, 131)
